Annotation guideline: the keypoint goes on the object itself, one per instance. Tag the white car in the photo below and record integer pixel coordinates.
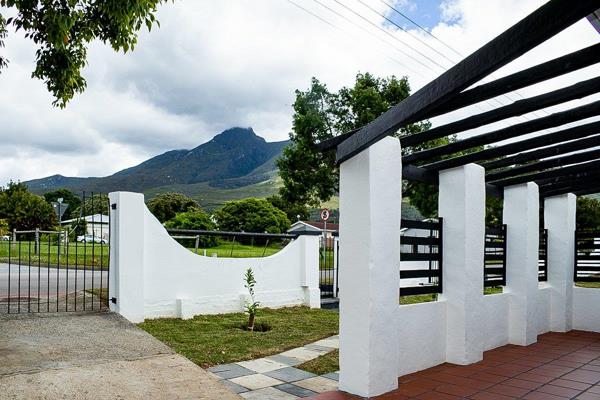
(5, 237)
(91, 239)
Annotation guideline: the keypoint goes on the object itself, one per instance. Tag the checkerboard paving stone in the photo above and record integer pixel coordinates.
(333, 376)
(234, 387)
(332, 342)
(318, 384)
(256, 381)
(289, 361)
(295, 390)
(318, 348)
(302, 353)
(228, 371)
(269, 393)
(289, 374)
(261, 365)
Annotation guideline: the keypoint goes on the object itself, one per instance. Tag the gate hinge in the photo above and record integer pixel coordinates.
(113, 206)
(113, 300)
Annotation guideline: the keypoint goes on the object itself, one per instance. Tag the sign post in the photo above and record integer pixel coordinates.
(324, 218)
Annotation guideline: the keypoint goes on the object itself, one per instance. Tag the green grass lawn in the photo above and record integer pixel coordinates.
(82, 254)
(237, 250)
(592, 285)
(322, 365)
(217, 339)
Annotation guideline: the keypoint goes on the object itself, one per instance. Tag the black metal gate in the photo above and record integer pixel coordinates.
(329, 266)
(494, 265)
(66, 269)
(587, 256)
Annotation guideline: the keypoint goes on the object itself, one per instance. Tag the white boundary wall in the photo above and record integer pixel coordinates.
(151, 275)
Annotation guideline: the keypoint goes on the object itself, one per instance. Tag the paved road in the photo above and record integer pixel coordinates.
(48, 280)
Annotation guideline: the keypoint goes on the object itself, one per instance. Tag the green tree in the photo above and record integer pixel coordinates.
(251, 215)
(24, 210)
(311, 176)
(166, 205)
(62, 30)
(588, 213)
(197, 220)
(293, 211)
(68, 197)
(95, 204)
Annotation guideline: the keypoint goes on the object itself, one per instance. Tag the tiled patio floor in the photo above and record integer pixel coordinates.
(559, 366)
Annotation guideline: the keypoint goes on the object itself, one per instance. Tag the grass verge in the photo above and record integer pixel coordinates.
(217, 339)
(592, 285)
(322, 365)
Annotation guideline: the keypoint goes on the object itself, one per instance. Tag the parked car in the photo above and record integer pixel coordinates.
(5, 237)
(91, 239)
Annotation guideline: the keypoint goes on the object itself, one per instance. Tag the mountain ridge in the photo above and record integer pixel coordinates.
(233, 159)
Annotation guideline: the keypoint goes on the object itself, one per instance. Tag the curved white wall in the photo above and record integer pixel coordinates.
(154, 276)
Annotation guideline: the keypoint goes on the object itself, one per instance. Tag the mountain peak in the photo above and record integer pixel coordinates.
(237, 136)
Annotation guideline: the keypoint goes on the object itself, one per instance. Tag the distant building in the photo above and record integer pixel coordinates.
(315, 226)
(97, 225)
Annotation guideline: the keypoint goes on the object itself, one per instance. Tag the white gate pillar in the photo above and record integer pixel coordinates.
(370, 198)
(462, 207)
(127, 255)
(521, 216)
(559, 218)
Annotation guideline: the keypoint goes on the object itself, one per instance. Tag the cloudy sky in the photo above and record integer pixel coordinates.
(217, 64)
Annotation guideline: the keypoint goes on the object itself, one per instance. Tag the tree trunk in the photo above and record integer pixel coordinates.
(251, 322)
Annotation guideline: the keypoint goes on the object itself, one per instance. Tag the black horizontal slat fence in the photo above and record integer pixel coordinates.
(587, 256)
(421, 242)
(543, 256)
(494, 268)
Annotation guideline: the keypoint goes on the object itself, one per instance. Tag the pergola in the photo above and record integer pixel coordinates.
(564, 161)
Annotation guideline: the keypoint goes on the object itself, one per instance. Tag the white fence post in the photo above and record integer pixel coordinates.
(370, 198)
(462, 207)
(521, 216)
(310, 270)
(559, 218)
(127, 255)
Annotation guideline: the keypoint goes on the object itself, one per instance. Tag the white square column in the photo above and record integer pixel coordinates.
(370, 199)
(522, 219)
(462, 207)
(559, 218)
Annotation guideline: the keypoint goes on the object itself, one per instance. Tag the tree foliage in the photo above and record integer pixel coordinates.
(68, 197)
(588, 213)
(62, 31)
(251, 215)
(311, 176)
(23, 210)
(294, 212)
(195, 219)
(166, 206)
(95, 204)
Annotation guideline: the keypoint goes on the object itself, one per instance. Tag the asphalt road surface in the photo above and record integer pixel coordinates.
(43, 282)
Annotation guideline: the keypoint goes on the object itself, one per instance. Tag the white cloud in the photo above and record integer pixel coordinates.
(213, 65)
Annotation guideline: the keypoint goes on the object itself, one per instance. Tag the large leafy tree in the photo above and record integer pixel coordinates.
(68, 197)
(588, 213)
(251, 215)
(195, 219)
(294, 212)
(166, 206)
(92, 205)
(309, 175)
(23, 210)
(63, 29)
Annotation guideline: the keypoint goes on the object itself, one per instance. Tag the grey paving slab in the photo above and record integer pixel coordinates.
(269, 393)
(333, 376)
(289, 374)
(295, 390)
(291, 361)
(256, 381)
(233, 371)
(317, 347)
(234, 387)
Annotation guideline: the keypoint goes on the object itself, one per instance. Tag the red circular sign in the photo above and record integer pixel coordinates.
(324, 214)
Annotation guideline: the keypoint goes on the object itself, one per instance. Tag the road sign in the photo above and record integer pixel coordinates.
(59, 209)
(324, 214)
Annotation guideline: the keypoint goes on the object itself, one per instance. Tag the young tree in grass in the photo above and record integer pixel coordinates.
(166, 206)
(251, 305)
(61, 32)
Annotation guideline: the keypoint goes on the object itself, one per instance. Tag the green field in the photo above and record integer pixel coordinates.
(237, 250)
(74, 254)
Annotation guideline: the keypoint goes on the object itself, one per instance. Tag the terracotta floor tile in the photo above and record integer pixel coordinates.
(490, 396)
(456, 390)
(508, 390)
(559, 391)
(570, 384)
(543, 396)
(584, 376)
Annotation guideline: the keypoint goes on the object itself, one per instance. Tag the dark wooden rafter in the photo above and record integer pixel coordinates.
(545, 164)
(553, 173)
(531, 31)
(550, 121)
(500, 152)
(566, 180)
(520, 107)
(578, 189)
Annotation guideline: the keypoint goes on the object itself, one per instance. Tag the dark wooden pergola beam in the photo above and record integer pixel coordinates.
(545, 164)
(520, 107)
(566, 180)
(565, 135)
(528, 33)
(577, 189)
(553, 173)
(527, 77)
(550, 121)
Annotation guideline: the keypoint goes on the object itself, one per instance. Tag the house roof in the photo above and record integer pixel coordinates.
(96, 219)
(313, 226)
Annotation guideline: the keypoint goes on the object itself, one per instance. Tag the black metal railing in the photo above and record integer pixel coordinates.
(60, 270)
(587, 256)
(328, 266)
(422, 244)
(494, 266)
(231, 244)
(543, 256)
